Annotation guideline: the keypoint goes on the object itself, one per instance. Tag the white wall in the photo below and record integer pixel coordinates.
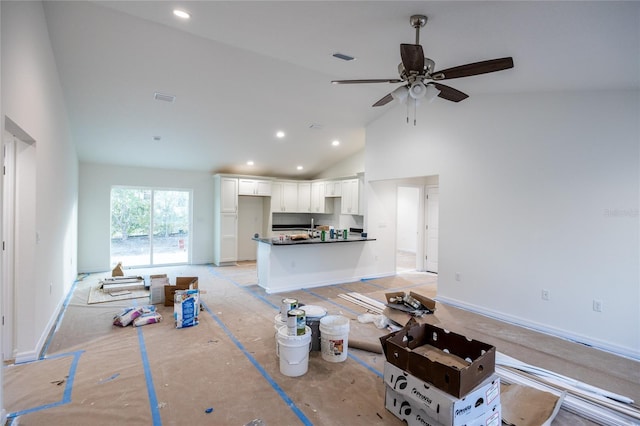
(537, 191)
(32, 98)
(94, 222)
(350, 166)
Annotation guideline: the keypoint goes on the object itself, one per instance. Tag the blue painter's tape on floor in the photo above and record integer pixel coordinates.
(66, 396)
(305, 421)
(365, 365)
(56, 326)
(151, 390)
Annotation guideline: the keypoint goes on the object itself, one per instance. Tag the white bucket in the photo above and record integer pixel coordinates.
(334, 338)
(278, 322)
(294, 352)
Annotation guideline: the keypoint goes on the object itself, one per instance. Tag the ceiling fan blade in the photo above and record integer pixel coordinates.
(388, 98)
(380, 80)
(449, 93)
(412, 58)
(475, 68)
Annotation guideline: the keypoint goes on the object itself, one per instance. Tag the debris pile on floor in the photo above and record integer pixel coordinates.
(414, 304)
(138, 316)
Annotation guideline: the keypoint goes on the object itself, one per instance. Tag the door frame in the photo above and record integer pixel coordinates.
(425, 240)
(8, 244)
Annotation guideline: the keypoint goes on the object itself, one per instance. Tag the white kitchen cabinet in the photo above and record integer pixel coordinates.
(255, 187)
(350, 197)
(228, 238)
(319, 203)
(228, 195)
(304, 197)
(333, 188)
(284, 197)
(225, 224)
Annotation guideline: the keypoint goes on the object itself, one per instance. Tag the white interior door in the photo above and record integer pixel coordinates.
(432, 203)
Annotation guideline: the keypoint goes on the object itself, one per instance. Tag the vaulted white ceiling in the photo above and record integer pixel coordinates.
(241, 70)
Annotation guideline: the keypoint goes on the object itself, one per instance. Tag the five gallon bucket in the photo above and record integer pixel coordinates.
(294, 352)
(278, 322)
(314, 315)
(334, 338)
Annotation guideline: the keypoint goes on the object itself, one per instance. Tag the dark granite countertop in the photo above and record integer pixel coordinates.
(276, 242)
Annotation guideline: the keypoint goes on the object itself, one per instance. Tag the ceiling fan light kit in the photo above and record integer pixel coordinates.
(415, 69)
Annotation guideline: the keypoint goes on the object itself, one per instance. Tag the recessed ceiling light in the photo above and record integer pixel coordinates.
(280, 134)
(249, 163)
(299, 167)
(335, 143)
(181, 14)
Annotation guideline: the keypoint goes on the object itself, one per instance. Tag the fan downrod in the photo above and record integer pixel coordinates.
(417, 22)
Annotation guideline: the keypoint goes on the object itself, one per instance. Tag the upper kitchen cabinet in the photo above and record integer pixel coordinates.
(333, 188)
(319, 203)
(350, 196)
(228, 195)
(304, 197)
(256, 187)
(284, 197)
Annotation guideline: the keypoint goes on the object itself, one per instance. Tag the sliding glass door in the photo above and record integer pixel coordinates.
(149, 226)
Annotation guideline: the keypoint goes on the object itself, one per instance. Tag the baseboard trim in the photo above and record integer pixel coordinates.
(552, 331)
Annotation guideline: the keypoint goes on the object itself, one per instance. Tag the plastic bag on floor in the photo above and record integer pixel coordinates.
(148, 318)
(127, 315)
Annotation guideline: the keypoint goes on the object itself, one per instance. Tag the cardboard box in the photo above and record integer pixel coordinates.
(156, 288)
(452, 362)
(182, 283)
(403, 409)
(439, 405)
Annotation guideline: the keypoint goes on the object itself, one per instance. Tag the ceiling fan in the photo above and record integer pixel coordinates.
(415, 69)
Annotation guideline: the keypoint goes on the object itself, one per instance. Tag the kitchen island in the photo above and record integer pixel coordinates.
(295, 264)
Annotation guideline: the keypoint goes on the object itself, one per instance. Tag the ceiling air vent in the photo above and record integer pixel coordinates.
(163, 97)
(343, 56)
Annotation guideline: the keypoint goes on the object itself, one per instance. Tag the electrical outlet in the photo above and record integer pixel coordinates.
(546, 295)
(458, 276)
(597, 305)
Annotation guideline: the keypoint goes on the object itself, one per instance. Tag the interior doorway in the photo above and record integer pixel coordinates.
(408, 215)
(18, 225)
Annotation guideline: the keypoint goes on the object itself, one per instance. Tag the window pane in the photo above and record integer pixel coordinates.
(130, 226)
(170, 227)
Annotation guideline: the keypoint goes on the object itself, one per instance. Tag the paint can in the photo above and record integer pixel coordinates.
(287, 305)
(294, 352)
(296, 322)
(314, 315)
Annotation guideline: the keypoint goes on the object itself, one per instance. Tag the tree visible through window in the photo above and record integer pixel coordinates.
(149, 226)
